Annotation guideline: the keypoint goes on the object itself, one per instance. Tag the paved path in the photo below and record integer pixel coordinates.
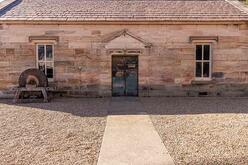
(132, 140)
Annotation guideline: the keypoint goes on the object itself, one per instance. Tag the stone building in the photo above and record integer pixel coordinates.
(127, 47)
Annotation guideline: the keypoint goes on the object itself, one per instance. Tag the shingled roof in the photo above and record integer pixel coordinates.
(124, 10)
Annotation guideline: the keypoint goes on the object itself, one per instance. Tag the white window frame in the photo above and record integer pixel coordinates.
(202, 61)
(45, 60)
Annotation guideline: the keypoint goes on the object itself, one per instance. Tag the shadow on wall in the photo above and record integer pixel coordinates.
(98, 107)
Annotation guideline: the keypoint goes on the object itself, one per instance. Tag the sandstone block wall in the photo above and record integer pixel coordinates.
(83, 58)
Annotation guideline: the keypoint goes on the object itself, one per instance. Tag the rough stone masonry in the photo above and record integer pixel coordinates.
(164, 43)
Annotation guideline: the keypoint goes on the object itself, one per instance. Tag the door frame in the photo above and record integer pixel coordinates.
(125, 55)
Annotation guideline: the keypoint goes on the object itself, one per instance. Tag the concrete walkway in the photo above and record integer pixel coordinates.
(132, 140)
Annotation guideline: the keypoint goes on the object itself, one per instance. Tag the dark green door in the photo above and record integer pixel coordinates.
(125, 75)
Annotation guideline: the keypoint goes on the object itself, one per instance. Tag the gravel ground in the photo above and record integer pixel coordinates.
(65, 131)
(201, 131)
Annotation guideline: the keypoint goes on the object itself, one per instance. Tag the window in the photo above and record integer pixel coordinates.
(45, 59)
(203, 61)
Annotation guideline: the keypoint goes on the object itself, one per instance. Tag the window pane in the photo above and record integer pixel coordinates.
(49, 70)
(206, 69)
(49, 52)
(41, 52)
(198, 71)
(206, 52)
(198, 52)
(41, 66)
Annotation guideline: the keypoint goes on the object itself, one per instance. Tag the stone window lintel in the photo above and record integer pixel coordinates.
(203, 39)
(44, 39)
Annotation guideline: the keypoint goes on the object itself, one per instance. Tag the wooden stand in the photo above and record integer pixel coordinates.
(17, 98)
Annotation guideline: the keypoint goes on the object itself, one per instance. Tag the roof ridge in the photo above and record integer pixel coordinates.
(6, 4)
(239, 5)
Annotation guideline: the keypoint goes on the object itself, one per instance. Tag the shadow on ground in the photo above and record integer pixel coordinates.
(78, 107)
(154, 105)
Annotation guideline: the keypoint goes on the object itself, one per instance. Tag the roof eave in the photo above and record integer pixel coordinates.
(122, 22)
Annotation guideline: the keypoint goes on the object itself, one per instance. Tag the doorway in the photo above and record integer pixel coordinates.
(125, 75)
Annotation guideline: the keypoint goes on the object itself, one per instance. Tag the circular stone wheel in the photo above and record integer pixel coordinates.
(41, 77)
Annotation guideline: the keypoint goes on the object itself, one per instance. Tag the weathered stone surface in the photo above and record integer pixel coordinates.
(10, 51)
(243, 27)
(79, 51)
(96, 32)
(83, 61)
(218, 75)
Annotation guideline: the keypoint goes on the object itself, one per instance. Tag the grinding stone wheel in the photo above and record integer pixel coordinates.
(39, 76)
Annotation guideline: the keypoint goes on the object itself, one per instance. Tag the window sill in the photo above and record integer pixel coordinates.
(50, 80)
(202, 81)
